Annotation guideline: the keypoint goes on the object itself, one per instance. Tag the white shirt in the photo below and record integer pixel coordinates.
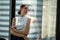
(21, 22)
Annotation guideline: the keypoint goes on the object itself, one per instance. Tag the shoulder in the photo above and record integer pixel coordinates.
(29, 19)
(14, 19)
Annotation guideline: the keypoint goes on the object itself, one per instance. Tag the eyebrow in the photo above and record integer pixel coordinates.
(26, 7)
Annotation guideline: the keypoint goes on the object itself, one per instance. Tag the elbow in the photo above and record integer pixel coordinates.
(26, 33)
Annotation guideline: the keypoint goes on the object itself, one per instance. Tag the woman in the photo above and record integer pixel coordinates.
(20, 24)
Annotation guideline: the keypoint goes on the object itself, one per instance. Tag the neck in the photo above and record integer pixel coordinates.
(21, 15)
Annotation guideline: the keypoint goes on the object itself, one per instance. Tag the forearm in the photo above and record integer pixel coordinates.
(15, 33)
(20, 32)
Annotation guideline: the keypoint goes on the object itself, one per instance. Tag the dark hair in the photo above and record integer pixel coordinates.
(23, 5)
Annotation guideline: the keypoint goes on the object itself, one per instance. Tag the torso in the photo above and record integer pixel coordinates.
(21, 22)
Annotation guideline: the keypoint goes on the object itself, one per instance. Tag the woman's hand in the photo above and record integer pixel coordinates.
(18, 35)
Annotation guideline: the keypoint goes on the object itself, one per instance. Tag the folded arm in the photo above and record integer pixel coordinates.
(21, 32)
(26, 31)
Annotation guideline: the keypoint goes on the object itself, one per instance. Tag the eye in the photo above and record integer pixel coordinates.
(26, 8)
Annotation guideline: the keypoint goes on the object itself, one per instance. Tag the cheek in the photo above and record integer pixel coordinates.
(22, 10)
(26, 10)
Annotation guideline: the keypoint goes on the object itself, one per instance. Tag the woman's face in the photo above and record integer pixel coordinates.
(24, 10)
